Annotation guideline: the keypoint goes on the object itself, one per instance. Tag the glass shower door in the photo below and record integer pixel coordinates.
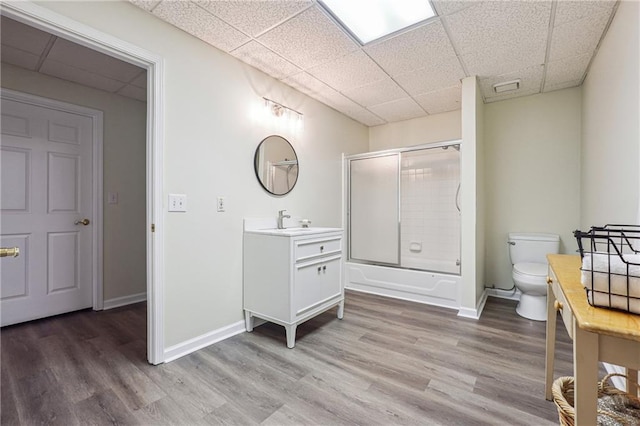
(373, 209)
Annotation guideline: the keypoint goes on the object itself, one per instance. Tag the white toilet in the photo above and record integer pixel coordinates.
(528, 253)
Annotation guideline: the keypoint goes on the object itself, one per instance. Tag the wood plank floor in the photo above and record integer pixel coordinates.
(388, 362)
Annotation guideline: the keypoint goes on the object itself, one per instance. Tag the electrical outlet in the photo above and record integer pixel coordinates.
(177, 203)
(220, 204)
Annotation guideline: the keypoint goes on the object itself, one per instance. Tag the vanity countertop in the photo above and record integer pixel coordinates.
(292, 232)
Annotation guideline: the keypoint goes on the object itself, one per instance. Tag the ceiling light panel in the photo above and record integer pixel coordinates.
(369, 20)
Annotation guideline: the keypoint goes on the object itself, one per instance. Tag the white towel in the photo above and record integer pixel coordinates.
(616, 283)
(618, 302)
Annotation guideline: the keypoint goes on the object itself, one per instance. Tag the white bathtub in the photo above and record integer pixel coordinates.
(433, 288)
(444, 266)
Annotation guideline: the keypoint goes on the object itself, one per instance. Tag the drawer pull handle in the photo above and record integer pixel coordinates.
(549, 280)
(319, 269)
(321, 248)
(557, 305)
(324, 268)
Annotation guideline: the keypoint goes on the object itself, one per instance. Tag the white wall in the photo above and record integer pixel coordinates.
(471, 201)
(124, 124)
(210, 138)
(532, 162)
(610, 125)
(417, 131)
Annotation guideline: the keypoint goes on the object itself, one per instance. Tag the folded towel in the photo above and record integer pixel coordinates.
(616, 282)
(603, 300)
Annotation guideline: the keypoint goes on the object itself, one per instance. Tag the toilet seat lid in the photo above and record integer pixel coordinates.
(536, 269)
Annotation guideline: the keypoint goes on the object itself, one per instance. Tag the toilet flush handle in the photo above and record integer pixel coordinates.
(513, 243)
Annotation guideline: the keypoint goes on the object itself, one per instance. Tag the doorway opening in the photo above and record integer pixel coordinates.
(60, 26)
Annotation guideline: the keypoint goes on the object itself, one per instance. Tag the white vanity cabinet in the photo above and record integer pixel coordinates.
(292, 276)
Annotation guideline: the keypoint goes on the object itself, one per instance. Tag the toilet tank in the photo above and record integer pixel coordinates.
(532, 247)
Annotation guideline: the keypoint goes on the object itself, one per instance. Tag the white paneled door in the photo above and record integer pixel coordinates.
(46, 195)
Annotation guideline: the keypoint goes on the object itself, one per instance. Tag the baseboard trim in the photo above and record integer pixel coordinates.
(116, 302)
(474, 313)
(185, 348)
(504, 294)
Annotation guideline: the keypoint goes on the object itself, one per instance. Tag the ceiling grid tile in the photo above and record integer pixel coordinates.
(198, 22)
(401, 109)
(258, 56)
(308, 39)
(254, 17)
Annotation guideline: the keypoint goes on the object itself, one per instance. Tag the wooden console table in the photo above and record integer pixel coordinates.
(598, 335)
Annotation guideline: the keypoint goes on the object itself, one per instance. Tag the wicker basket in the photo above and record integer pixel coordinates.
(615, 407)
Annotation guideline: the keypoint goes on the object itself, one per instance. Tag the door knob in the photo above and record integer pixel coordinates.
(9, 252)
(84, 222)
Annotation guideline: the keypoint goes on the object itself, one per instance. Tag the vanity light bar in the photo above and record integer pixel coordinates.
(279, 110)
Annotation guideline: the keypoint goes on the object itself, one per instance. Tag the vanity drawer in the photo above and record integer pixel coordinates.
(561, 305)
(306, 249)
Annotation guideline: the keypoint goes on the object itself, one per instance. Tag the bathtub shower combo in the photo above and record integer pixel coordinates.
(403, 223)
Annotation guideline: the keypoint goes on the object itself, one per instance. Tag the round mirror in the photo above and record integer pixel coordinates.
(276, 165)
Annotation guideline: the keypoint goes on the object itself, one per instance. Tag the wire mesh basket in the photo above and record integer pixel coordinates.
(611, 266)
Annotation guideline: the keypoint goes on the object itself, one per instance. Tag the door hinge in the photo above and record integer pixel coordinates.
(153, 227)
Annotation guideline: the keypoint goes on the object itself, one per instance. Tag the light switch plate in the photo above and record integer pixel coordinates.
(220, 204)
(177, 203)
(112, 198)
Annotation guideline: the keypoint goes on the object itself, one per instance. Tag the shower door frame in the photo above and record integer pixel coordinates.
(347, 210)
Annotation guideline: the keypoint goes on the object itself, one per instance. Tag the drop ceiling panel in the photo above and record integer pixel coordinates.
(19, 58)
(447, 7)
(530, 82)
(349, 71)
(444, 100)
(81, 57)
(258, 56)
(308, 39)
(23, 37)
(346, 106)
(133, 92)
(376, 93)
(196, 21)
(444, 73)
(565, 85)
(308, 84)
(578, 37)
(568, 11)
(147, 5)
(140, 80)
(426, 46)
(77, 75)
(254, 17)
(401, 109)
(497, 37)
(566, 70)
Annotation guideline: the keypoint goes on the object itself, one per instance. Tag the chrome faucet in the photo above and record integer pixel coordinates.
(281, 217)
